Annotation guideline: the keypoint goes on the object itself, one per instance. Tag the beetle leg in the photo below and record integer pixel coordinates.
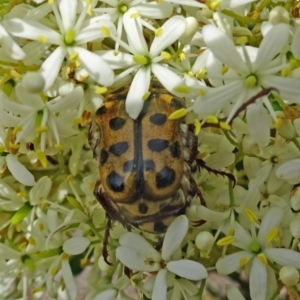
(105, 240)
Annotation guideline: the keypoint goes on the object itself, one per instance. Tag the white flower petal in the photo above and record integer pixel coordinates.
(188, 269)
(258, 280)
(290, 171)
(296, 43)
(76, 245)
(51, 66)
(134, 29)
(287, 87)
(223, 48)
(69, 280)
(32, 30)
(258, 124)
(31, 100)
(174, 236)
(231, 263)
(67, 11)
(155, 10)
(8, 253)
(271, 219)
(241, 236)
(19, 172)
(34, 51)
(139, 86)
(160, 286)
(106, 295)
(94, 64)
(283, 257)
(171, 31)
(117, 61)
(10, 46)
(220, 160)
(40, 190)
(212, 215)
(233, 293)
(271, 45)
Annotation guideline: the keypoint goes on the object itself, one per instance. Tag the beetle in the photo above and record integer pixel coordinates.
(145, 164)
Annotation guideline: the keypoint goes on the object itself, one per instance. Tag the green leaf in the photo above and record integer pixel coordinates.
(21, 214)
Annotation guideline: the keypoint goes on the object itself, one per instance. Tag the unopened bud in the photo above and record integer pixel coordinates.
(33, 82)
(279, 15)
(289, 275)
(190, 30)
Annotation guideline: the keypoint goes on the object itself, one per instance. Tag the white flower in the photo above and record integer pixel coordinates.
(144, 61)
(136, 253)
(250, 70)
(71, 41)
(259, 249)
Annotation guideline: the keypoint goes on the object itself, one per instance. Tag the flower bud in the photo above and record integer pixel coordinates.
(204, 241)
(190, 30)
(295, 199)
(279, 15)
(295, 227)
(289, 275)
(33, 82)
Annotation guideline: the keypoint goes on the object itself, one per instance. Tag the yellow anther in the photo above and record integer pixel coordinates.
(41, 227)
(231, 231)
(190, 74)
(22, 194)
(286, 71)
(73, 56)
(293, 63)
(277, 242)
(158, 31)
(42, 39)
(278, 123)
(2, 148)
(50, 1)
(204, 254)
(31, 241)
(243, 261)
(178, 114)
(182, 56)
(135, 15)
(23, 245)
(212, 119)
(242, 40)
(77, 63)
(92, 186)
(41, 129)
(251, 215)
(105, 30)
(58, 147)
(77, 121)
(182, 89)
(213, 5)
(100, 90)
(251, 81)
(201, 74)
(263, 258)
(166, 55)
(225, 69)
(272, 235)
(14, 146)
(201, 92)
(65, 256)
(44, 206)
(54, 271)
(146, 95)
(225, 126)
(84, 261)
(37, 290)
(197, 125)
(89, 9)
(17, 129)
(41, 157)
(68, 178)
(225, 241)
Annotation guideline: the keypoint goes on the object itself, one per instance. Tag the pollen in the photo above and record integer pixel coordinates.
(225, 126)
(225, 241)
(197, 125)
(166, 55)
(158, 31)
(272, 235)
(201, 74)
(14, 146)
(105, 30)
(263, 258)
(73, 56)
(251, 215)
(212, 119)
(77, 121)
(42, 39)
(242, 40)
(243, 261)
(182, 89)
(41, 157)
(178, 114)
(101, 90)
(146, 95)
(135, 15)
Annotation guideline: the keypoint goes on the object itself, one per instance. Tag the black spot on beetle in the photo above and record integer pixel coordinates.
(143, 208)
(165, 177)
(175, 102)
(158, 145)
(175, 150)
(159, 226)
(117, 123)
(103, 156)
(158, 119)
(101, 110)
(149, 165)
(115, 182)
(119, 148)
(128, 166)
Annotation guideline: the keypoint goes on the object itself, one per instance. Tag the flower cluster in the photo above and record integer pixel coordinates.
(235, 64)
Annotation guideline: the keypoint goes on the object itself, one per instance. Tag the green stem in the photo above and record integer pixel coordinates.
(95, 230)
(239, 18)
(201, 289)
